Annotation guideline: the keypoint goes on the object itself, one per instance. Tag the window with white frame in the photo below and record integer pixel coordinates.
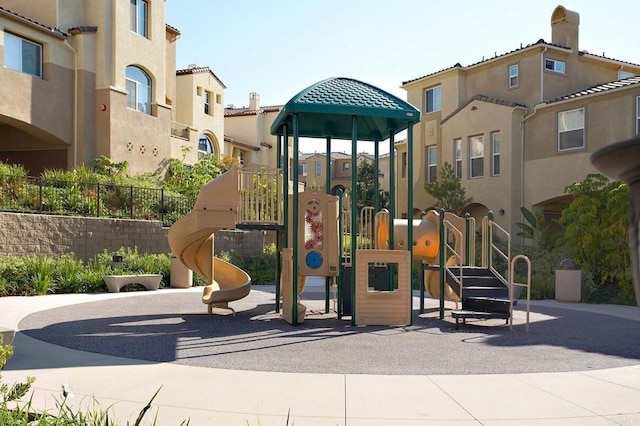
(513, 76)
(207, 102)
(554, 65)
(457, 157)
(495, 154)
(139, 16)
(571, 129)
(476, 156)
(638, 115)
(22, 55)
(432, 164)
(346, 166)
(303, 169)
(433, 99)
(318, 168)
(138, 90)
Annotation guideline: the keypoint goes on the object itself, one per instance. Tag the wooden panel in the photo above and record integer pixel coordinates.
(383, 307)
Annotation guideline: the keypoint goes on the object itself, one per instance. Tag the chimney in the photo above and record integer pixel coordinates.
(564, 28)
(254, 101)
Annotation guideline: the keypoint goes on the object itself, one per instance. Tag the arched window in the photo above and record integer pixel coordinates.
(138, 90)
(204, 146)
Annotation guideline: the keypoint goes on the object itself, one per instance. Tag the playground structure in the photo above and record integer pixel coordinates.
(365, 253)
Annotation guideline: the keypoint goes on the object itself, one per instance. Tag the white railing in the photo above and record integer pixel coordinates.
(450, 251)
(260, 196)
(489, 227)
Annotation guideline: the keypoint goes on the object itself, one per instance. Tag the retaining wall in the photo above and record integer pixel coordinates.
(48, 235)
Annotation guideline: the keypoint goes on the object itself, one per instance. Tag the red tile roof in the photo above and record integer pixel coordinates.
(236, 142)
(597, 89)
(234, 112)
(54, 31)
(197, 70)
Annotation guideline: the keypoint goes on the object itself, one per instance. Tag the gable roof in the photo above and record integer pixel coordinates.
(235, 112)
(53, 31)
(532, 46)
(483, 98)
(197, 70)
(597, 89)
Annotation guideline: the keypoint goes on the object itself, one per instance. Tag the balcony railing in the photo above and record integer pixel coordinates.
(179, 130)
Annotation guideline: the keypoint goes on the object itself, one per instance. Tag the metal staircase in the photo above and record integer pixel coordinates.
(485, 293)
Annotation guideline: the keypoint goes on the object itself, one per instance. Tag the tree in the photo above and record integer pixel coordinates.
(596, 229)
(365, 186)
(448, 191)
(188, 180)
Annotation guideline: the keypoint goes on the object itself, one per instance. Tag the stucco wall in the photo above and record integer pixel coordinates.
(23, 234)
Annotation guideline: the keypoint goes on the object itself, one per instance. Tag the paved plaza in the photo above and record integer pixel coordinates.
(579, 363)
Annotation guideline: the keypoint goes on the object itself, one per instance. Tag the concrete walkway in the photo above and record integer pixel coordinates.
(215, 396)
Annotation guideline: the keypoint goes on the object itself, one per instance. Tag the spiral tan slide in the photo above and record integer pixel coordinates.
(191, 240)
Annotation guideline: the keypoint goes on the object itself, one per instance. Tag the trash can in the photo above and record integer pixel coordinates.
(181, 276)
(568, 282)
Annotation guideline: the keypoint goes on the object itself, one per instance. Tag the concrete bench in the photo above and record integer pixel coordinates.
(116, 282)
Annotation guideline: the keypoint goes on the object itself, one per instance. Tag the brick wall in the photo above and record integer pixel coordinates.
(22, 234)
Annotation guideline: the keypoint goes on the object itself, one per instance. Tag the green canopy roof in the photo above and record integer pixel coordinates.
(326, 109)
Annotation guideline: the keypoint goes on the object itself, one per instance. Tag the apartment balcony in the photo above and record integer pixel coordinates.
(179, 130)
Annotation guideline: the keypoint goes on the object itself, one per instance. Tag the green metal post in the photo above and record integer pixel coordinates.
(441, 255)
(422, 270)
(392, 188)
(490, 239)
(467, 240)
(376, 179)
(354, 214)
(410, 215)
(327, 190)
(296, 222)
(285, 201)
(339, 193)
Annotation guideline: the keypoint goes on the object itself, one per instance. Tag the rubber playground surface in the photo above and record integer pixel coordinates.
(174, 327)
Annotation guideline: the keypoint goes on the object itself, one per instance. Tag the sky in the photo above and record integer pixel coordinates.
(279, 47)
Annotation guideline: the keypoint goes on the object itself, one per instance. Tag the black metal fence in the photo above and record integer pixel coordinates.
(51, 196)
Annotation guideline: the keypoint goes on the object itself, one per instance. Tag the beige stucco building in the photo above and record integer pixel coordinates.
(83, 79)
(520, 127)
(248, 134)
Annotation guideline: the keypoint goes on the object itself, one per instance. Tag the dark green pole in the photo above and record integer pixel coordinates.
(392, 188)
(354, 214)
(295, 212)
(327, 190)
(441, 255)
(285, 205)
(422, 271)
(279, 242)
(339, 193)
(467, 240)
(410, 216)
(376, 179)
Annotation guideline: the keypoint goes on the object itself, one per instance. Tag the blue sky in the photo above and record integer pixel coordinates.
(279, 47)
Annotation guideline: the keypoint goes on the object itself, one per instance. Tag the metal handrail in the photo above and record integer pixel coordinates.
(494, 248)
(450, 227)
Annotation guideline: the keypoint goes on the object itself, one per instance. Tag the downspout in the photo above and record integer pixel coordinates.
(75, 104)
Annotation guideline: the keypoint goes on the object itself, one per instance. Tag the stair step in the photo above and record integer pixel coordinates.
(486, 304)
